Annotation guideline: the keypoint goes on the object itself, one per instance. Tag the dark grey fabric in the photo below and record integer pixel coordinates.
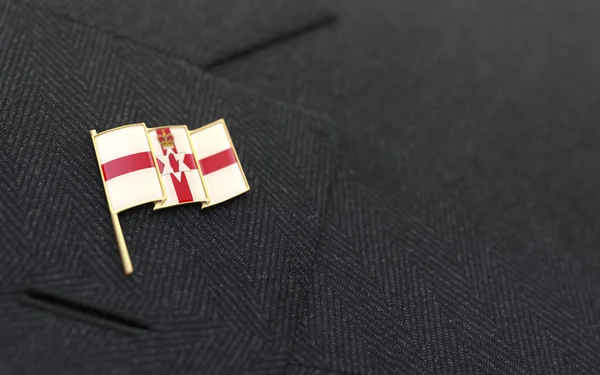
(468, 249)
(484, 115)
(461, 69)
(203, 32)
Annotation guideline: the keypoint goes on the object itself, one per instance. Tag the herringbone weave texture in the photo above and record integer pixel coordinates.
(345, 257)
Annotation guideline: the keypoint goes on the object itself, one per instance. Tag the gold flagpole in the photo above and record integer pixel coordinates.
(125, 259)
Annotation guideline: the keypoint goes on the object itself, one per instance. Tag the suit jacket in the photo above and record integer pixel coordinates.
(361, 248)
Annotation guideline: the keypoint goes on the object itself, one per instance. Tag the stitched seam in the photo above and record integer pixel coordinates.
(322, 20)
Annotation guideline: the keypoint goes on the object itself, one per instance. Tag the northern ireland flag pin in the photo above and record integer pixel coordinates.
(168, 166)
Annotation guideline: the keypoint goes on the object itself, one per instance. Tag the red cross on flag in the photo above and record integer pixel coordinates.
(223, 174)
(177, 165)
(127, 166)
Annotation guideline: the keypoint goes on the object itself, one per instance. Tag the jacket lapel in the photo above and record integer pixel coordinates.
(239, 271)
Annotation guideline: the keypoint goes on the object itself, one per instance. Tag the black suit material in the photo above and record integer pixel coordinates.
(349, 255)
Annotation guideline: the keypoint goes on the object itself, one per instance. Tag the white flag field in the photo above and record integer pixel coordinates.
(167, 165)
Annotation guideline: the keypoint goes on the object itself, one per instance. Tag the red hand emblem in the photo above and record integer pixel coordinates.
(174, 163)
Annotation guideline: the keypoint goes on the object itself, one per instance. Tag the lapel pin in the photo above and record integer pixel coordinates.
(167, 166)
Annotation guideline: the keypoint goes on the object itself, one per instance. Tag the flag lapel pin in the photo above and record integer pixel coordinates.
(167, 166)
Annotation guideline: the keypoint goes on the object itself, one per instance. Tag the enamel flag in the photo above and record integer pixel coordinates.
(177, 166)
(128, 167)
(219, 163)
(169, 166)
